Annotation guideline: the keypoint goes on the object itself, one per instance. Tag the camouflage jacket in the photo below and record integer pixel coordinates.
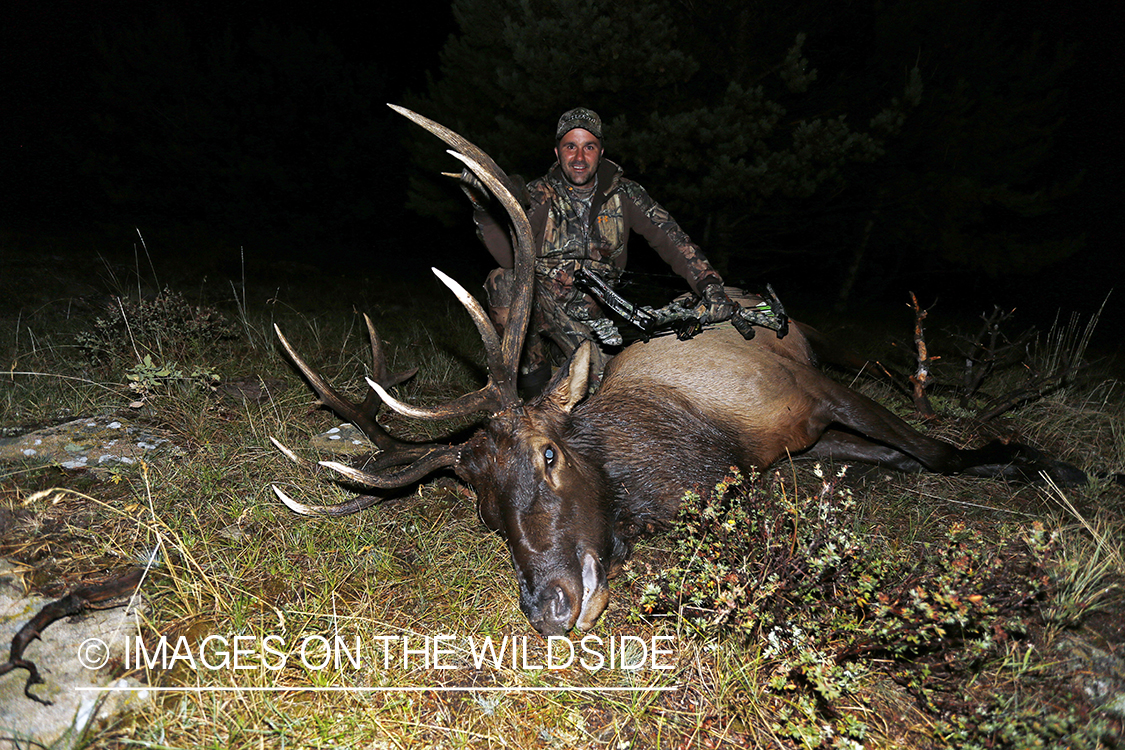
(563, 239)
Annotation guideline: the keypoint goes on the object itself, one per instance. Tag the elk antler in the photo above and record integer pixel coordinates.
(392, 452)
(361, 415)
(399, 464)
(493, 396)
(519, 312)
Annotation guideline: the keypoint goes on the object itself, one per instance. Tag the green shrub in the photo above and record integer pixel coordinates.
(166, 326)
(832, 609)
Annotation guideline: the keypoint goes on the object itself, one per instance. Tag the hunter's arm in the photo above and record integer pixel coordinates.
(653, 222)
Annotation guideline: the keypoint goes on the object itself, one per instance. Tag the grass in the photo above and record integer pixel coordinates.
(235, 562)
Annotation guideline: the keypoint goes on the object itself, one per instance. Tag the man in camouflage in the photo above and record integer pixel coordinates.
(581, 214)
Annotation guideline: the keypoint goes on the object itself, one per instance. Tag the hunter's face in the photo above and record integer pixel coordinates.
(578, 153)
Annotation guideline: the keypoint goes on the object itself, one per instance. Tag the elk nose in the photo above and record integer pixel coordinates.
(552, 612)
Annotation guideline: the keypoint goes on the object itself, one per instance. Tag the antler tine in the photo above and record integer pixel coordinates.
(371, 400)
(361, 415)
(519, 312)
(492, 347)
(490, 397)
(456, 141)
(437, 457)
(379, 362)
(484, 399)
(351, 505)
(346, 508)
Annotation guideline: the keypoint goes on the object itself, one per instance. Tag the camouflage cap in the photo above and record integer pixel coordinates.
(579, 117)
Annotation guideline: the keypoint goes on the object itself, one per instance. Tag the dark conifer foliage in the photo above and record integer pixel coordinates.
(855, 149)
(868, 142)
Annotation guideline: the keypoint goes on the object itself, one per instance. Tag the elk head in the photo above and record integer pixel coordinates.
(547, 498)
(534, 485)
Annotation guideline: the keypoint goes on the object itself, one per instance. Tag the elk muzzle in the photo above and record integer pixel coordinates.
(574, 597)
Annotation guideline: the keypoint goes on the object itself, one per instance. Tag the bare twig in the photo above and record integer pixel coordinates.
(921, 376)
(1051, 364)
(985, 351)
(75, 602)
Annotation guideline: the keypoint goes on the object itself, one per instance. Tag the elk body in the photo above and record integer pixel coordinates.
(570, 481)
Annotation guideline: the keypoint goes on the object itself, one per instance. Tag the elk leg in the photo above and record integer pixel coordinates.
(840, 446)
(1021, 463)
(886, 440)
(874, 423)
(995, 460)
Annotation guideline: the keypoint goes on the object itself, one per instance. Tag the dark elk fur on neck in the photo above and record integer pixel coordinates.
(571, 481)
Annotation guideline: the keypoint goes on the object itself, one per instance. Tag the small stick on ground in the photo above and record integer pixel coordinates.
(76, 602)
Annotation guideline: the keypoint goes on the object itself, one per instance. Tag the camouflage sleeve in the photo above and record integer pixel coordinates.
(495, 234)
(653, 222)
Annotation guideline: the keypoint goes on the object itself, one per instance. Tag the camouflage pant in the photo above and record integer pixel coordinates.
(556, 317)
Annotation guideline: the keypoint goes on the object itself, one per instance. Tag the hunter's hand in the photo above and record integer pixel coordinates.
(606, 332)
(715, 306)
(474, 188)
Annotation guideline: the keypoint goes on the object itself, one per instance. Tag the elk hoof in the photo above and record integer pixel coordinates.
(1064, 474)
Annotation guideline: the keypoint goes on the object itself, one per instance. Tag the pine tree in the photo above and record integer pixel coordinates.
(967, 185)
(712, 141)
(768, 159)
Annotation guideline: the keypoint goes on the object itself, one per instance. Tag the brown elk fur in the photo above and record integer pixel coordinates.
(673, 416)
(572, 481)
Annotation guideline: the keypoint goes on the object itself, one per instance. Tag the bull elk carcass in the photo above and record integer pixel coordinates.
(570, 481)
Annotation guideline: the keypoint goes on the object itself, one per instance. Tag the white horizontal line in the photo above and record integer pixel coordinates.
(391, 689)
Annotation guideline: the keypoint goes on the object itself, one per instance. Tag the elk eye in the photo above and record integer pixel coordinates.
(549, 456)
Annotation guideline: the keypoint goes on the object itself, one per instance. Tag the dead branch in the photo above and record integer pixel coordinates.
(1051, 363)
(921, 376)
(985, 351)
(76, 602)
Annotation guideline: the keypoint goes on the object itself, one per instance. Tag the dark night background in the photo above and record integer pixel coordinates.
(261, 126)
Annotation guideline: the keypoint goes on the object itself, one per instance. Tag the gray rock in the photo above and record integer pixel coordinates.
(1097, 673)
(345, 440)
(56, 653)
(93, 443)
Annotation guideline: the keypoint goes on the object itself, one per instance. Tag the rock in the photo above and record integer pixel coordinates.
(94, 442)
(56, 653)
(1099, 674)
(250, 388)
(344, 440)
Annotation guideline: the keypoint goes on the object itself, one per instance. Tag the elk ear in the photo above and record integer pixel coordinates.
(571, 382)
